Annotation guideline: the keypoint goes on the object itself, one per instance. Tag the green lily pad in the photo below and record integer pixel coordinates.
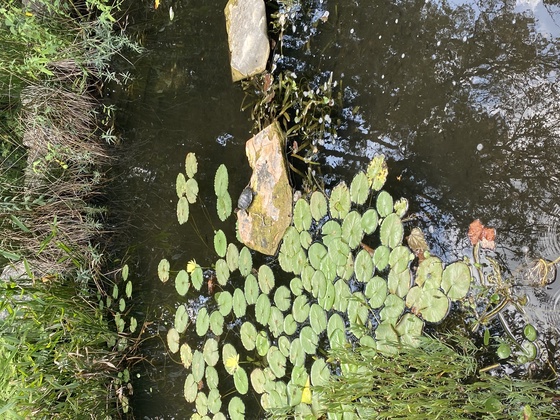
(381, 257)
(363, 266)
(180, 185)
(190, 389)
(239, 303)
(191, 190)
(230, 358)
(266, 279)
(318, 205)
(376, 292)
(232, 257)
(300, 309)
(338, 252)
(369, 221)
(399, 283)
(220, 243)
(182, 210)
(377, 172)
(191, 164)
(306, 276)
(276, 362)
(224, 206)
(359, 188)
(258, 380)
(182, 282)
(283, 298)
(341, 295)
(181, 319)
(210, 352)
(302, 215)
(202, 322)
(214, 401)
(236, 409)
(384, 204)
(241, 381)
(392, 231)
(276, 322)
(186, 355)
(358, 311)
(328, 267)
(296, 286)
(198, 365)
(339, 201)
(346, 271)
(331, 230)
(290, 325)
(435, 305)
(197, 277)
(297, 354)
(320, 373)
(217, 323)
(393, 309)
(225, 302)
(352, 232)
(251, 289)
(317, 318)
(245, 261)
(262, 309)
(318, 284)
(337, 340)
(163, 270)
(400, 258)
(299, 376)
(133, 324)
(429, 274)
(409, 329)
(248, 334)
(128, 289)
(262, 343)
(316, 253)
(326, 301)
(401, 207)
(222, 272)
(221, 180)
(122, 305)
(284, 345)
(212, 378)
(456, 280)
(173, 340)
(335, 322)
(201, 404)
(387, 338)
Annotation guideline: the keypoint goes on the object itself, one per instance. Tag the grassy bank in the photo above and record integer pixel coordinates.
(61, 357)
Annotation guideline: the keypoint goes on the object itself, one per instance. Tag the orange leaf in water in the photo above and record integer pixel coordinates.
(488, 237)
(475, 231)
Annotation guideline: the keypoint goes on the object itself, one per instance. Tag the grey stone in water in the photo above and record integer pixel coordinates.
(245, 199)
(247, 37)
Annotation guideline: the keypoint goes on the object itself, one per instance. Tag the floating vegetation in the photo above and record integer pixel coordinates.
(343, 277)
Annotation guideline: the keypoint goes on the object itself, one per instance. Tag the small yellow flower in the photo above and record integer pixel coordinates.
(191, 265)
(232, 363)
(156, 4)
(306, 396)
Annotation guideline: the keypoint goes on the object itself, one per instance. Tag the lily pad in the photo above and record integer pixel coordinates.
(296, 286)
(331, 230)
(352, 232)
(262, 343)
(190, 388)
(214, 401)
(456, 280)
(429, 274)
(128, 289)
(318, 204)
(224, 206)
(392, 231)
(212, 379)
(276, 362)
(290, 325)
(210, 352)
(326, 301)
(276, 322)
(173, 340)
(335, 322)
(297, 354)
(248, 334)
(198, 365)
(201, 404)
(191, 164)
(370, 221)
(236, 409)
(305, 239)
(358, 311)
(339, 201)
(181, 319)
(222, 271)
(409, 329)
(401, 207)
(186, 355)
(220, 243)
(258, 380)
(320, 373)
(393, 309)
(399, 282)
(283, 298)
(400, 258)
(381, 257)
(221, 181)
(225, 302)
(239, 303)
(241, 380)
(232, 257)
(217, 323)
(377, 172)
(435, 305)
(262, 309)
(180, 185)
(384, 204)
(163, 270)
(245, 261)
(359, 188)
(300, 309)
(284, 345)
(376, 292)
(316, 253)
(317, 318)
(182, 282)
(266, 279)
(363, 266)
(197, 277)
(251, 289)
(302, 215)
(230, 358)
(387, 338)
(341, 295)
(191, 190)
(202, 322)
(182, 210)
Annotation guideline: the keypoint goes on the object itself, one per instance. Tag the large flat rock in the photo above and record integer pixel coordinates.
(262, 225)
(247, 37)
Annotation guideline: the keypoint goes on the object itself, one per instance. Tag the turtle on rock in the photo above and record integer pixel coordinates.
(245, 198)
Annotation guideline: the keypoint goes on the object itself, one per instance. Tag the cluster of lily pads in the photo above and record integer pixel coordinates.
(343, 277)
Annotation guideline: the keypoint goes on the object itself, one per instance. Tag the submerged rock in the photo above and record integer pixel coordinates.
(262, 224)
(248, 41)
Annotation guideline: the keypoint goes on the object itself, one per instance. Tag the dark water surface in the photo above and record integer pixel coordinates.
(462, 97)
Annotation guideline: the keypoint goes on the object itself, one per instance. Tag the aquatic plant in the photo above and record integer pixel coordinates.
(343, 277)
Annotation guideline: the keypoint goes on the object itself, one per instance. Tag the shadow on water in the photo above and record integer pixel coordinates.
(463, 98)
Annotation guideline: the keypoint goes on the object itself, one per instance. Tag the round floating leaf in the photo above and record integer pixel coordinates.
(239, 303)
(352, 232)
(262, 343)
(202, 322)
(230, 358)
(346, 271)
(236, 409)
(276, 362)
(369, 221)
(409, 329)
(318, 284)
(399, 283)
(393, 309)
(266, 279)
(225, 302)
(191, 164)
(115, 292)
(318, 205)
(504, 351)
(262, 309)
(181, 319)
(122, 305)
(305, 239)
(197, 277)
(435, 305)
(124, 273)
(309, 340)
(377, 172)
(399, 258)
(297, 355)
(456, 280)
(224, 206)
(300, 309)
(214, 401)
(220, 243)
(210, 352)
(221, 181)
(163, 270)
(384, 204)
(331, 230)
(376, 292)
(198, 365)
(290, 325)
(245, 262)
(190, 388)
(284, 345)
(181, 185)
(173, 340)
(317, 318)
(337, 340)
(327, 300)
(133, 324)
(222, 271)
(359, 188)
(338, 252)
(341, 295)
(182, 282)
(212, 379)
(320, 373)
(248, 335)
(316, 253)
(232, 257)
(392, 231)
(217, 323)
(276, 322)
(401, 207)
(429, 274)
(328, 267)
(258, 380)
(387, 338)
(186, 355)
(283, 297)
(191, 190)
(358, 311)
(306, 276)
(363, 266)
(201, 404)
(128, 289)
(182, 210)
(251, 289)
(241, 381)
(381, 257)
(299, 376)
(339, 201)
(302, 215)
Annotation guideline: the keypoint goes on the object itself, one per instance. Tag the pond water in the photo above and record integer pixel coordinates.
(461, 96)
